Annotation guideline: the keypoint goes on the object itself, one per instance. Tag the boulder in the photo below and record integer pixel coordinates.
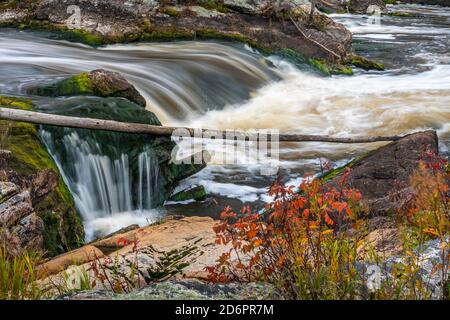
(99, 82)
(428, 257)
(383, 175)
(182, 244)
(385, 242)
(366, 6)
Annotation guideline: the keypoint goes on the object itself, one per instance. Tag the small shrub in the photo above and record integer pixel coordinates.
(300, 245)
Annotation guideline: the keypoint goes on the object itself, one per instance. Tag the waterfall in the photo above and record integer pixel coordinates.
(105, 187)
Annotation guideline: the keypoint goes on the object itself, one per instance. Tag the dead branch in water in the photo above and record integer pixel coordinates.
(139, 128)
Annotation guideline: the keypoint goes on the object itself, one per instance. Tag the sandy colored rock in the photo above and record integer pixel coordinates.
(386, 242)
(173, 235)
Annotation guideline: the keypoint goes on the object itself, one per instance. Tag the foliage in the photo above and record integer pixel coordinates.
(427, 216)
(300, 244)
(18, 275)
(307, 243)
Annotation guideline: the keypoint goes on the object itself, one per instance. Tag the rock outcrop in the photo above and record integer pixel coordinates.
(20, 226)
(383, 175)
(263, 24)
(181, 234)
(102, 83)
(36, 209)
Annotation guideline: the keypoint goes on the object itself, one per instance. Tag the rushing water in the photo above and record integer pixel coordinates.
(213, 85)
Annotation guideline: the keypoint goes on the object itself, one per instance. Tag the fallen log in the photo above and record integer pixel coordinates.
(139, 128)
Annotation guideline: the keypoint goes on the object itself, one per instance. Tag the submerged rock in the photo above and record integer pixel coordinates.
(36, 206)
(353, 6)
(99, 82)
(197, 193)
(443, 3)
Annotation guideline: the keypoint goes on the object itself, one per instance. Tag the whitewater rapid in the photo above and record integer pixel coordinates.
(225, 86)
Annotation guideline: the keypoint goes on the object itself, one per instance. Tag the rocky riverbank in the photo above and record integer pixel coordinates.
(270, 28)
(181, 247)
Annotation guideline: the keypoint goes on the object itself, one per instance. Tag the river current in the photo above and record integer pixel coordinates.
(230, 86)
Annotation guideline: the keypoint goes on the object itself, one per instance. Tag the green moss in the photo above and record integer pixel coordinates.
(197, 193)
(18, 103)
(79, 84)
(341, 69)
(364, 63)
(59, 32)
(213, 34)
(390, 1)
(337, 171)
(29, 157)
(320, 65)
(82, 36)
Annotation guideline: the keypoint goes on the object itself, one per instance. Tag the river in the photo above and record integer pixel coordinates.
(223, 85)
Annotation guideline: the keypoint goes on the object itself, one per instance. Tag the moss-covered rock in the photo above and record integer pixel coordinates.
(99, 82)
(63, 229)
(319, 66)
(197, 193)
(364, 63)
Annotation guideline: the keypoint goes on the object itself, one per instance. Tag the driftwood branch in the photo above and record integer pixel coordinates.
(304, 35)
(139, 128)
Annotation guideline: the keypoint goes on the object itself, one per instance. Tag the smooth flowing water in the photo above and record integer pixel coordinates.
(216, 85)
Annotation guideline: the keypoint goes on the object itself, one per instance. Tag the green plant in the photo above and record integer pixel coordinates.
(18, 275)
